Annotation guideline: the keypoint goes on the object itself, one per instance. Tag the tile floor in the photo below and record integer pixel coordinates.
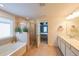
(44, 50)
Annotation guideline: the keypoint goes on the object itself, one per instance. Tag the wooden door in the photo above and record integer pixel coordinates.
(32, 35)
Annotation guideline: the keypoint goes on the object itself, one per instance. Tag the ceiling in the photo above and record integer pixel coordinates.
(30, 10)
(34, 10)
(58, 10)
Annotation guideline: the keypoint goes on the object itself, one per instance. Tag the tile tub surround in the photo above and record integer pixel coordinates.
(73, 42)
(13, 49)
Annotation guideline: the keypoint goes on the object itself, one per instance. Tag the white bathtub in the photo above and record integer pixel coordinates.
(13, 49)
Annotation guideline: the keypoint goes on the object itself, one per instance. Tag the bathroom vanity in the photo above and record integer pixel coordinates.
(68, 46)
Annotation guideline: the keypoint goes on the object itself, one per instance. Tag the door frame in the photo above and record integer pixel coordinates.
(38, 31)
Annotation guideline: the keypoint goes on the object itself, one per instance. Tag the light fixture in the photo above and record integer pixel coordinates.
(1, 5)
(73, 15)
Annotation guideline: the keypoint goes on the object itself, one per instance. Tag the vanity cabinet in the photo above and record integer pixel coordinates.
(59, 42)
(69, 52)
(63, 47)
(66, 48)
(75, 51)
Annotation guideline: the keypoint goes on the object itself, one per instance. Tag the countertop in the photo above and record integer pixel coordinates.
(74, 42)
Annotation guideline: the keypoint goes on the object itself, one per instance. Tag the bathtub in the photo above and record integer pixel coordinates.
(13, 49)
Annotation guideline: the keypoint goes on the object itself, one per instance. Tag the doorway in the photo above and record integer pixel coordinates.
(32, 34)
(44, 32)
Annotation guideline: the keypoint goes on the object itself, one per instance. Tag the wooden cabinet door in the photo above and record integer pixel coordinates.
(32, 34)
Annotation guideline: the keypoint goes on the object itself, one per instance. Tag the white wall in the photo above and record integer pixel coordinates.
(56, 14)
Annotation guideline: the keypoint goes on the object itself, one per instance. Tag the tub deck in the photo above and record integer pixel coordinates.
(13, 49)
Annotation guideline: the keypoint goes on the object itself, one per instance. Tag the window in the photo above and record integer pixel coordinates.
(45, 29)
(6, 28)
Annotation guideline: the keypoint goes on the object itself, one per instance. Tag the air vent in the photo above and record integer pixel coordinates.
(42, 4)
